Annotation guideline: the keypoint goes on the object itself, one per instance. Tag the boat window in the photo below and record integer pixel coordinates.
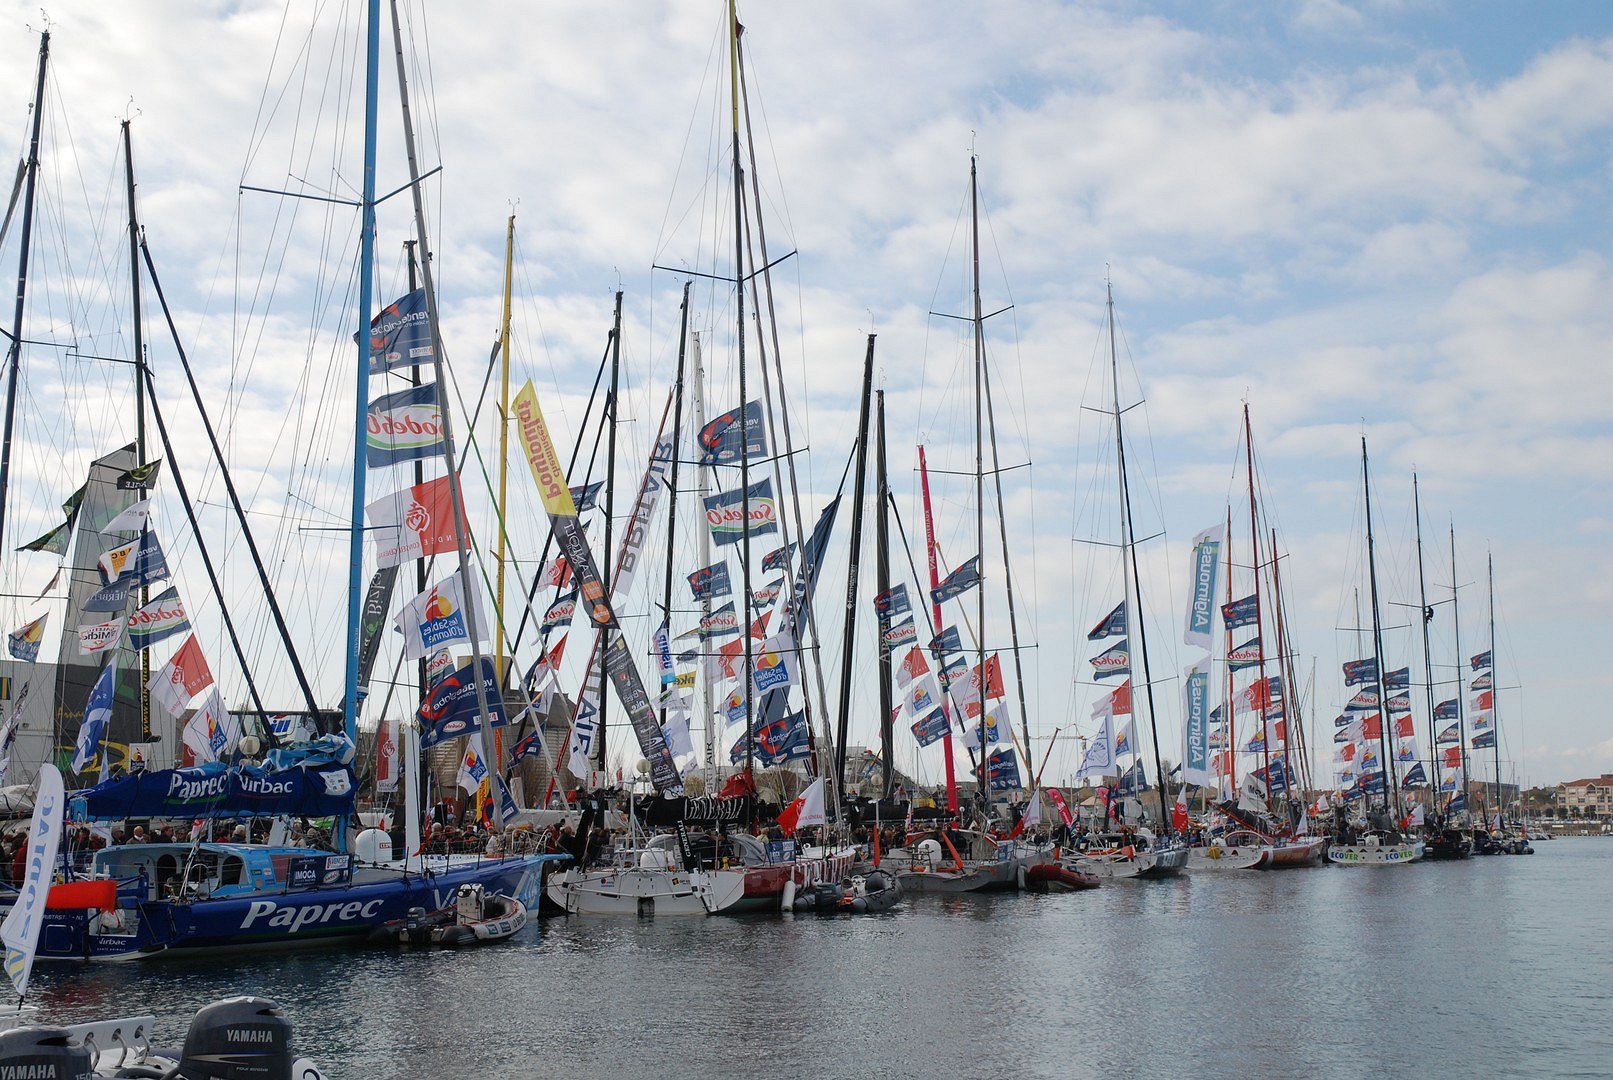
(233, 871)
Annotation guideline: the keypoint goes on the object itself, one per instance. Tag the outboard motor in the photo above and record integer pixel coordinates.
(239, 1038)
(44, 1052)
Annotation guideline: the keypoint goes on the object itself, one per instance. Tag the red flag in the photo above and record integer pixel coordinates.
(913, 665)
(559, 573)
(98, 893)
(1485, 701)
(807, 809)
(738, 786)
(994, 678)
(1403, 726)
(183, 677)
(1056, 797)
(1372, 726)
(1453, 757)
(1120, 700)
(1179, 819)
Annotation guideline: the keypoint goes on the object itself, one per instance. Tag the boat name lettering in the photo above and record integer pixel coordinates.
(294, 918)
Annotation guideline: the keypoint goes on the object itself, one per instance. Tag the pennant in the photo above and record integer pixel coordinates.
(158, 620)
(372, 620)
(23, 643)
(722, 440)
(1205, 564)
(403, 426)
(1245, 612)
(183, 677)
(958, 582)
(710, 582)
(1116, 660)
(415, 523)
(97, 718)
(400, 334)
(726, 510)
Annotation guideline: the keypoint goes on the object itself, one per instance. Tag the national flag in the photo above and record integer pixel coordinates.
(710, 582)
(1360, 672)
(1482, 660)
(183, 677)
(400, 334)
(403, 426)
(415, 523)
(1111, 625)
(97, 718)
(436, 618)
(1245, 612)
(1115, 660)
(960, 581)
(158, 620)
(805, 810)
(132, 519)
(23, 643)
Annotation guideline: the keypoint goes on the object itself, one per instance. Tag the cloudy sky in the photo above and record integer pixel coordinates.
(1386, 217)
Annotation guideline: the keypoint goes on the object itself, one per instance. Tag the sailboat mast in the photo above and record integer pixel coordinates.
(882, 583)
(1134, 615)
(703, 471)
(1262, 702)
(1427, 614)
(139, 395)
(361, 392)
(1391, 779)
(1293, 708)
(503, 450)
(747, 675)
(980, 485)
(1461, 677)
(456, 494)
(607, 571)
(1495, 687)
(853, 571)
(419, 478)
(25, 247)
(1232, 699)
(1008, 576)
(672, 481)
(938, 654)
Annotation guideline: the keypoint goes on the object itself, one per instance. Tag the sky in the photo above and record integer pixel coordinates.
(1386, 218)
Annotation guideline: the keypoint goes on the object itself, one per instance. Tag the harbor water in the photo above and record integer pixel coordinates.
(1498, 966)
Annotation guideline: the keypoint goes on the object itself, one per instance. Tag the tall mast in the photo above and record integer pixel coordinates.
(607, 572)
(503, 442)
(456, 495)
(25, 247)
(848, 642)
(419, 474)
(1232, 699)
(1263, 699)
(1427, 614)
(1292, 707)
(703, 491)
(361, 392)
(1134, 615)
(139, 395)
(1391, 779)
(1008, 576)
(672, 480)
(1495, 687)
(748, 675)
(1461, 677)
(980, 486)
(935, 606)
(882, 583)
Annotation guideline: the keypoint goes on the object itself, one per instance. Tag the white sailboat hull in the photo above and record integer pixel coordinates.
(1228, 857)
(1120, 864)
(645, 891)
(1375, 854)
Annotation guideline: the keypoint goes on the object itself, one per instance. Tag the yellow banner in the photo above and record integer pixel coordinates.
(540, 455)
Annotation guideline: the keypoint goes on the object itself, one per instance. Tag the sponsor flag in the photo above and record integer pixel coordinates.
(559, 572)
(1056, 797)
(1447, 710)
(1372, 726)
(1245, 612)
(139, 562)
(1451, 734)
(1246, 655)
(1398, 679)
(724, 439)
(778, 558)
(97, 718)
(996, 729)
(211, 733)
(1451, 757)
(1406, 749)
(1363, 700)
(913, 666)
(110, 597)
(183, 677)
(54, 542)
(891, 603)
(1483, 682)
(896, 636)
(372, 621)
(723, 621)
(450, 708)
(947, 641)
(1116, 660)
(158, 621)
(563, 519)
(1002, 770)
(586, 497)
(23, 643)
(1481, 720)
(386, 755)
(1195, 723)
(435, 619)
(1482, 660)
(1398, 704)
(400, 334)
(958, 582)
(99, 637)
(1126, 740)
(766, 595)
(1133, 781)
(139, 478)
(711, 582)
(1099, 758)
(20, 931)
(1484, 740)
(931, 728)
(805, 810)
(560, 612)
(1416, 776)
(1115, 703)
(1206, 564)
(773, 665)
(623, 673)
(472, 770)
(775, 742)
(1111, 625)
(414, 523)
(1447, 782)
(1484, 702)
(952, 673)
(1361, 672)
(132, 519)
(403, 426)
(725, 513)
(922, 697)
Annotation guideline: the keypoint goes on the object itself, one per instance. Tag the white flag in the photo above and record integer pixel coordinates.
(211, 733)
(131, 520)
(1033, 811)
(99, 637)
(1099, 759)
(436, 618)
(20, 932)
(472, 769)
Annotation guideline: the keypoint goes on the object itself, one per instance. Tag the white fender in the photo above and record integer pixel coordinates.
(1019, 877)
(789, 895)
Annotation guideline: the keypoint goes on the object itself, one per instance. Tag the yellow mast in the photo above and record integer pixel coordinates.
(503, 469)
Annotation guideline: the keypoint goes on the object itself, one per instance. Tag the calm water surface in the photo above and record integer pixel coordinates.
(1493, 967)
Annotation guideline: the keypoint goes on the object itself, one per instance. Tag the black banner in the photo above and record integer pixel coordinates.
(623, 673)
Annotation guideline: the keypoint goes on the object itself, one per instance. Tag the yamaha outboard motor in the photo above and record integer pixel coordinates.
(239, 1038)
(45, 1053)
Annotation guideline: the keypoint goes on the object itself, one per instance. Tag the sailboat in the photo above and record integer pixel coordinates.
(1118, 849)
(1377, 838)
(1446, 839)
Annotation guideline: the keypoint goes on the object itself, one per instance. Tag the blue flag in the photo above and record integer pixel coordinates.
(892, 603)
(931, 727)
(1112, 624)
(1245, 612)
(720, 440)
(1446, 710)
(1398, 679)
(947, 641)
(1484, 740)
(586, 497)
(1415, 777)
(450, 708)
(400, 334)
(1482, 660)
(710, 581)
(97, 718)
(778, 557)
(1358, 672)
(958, 582)
(1002, 771)
(403, 426)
